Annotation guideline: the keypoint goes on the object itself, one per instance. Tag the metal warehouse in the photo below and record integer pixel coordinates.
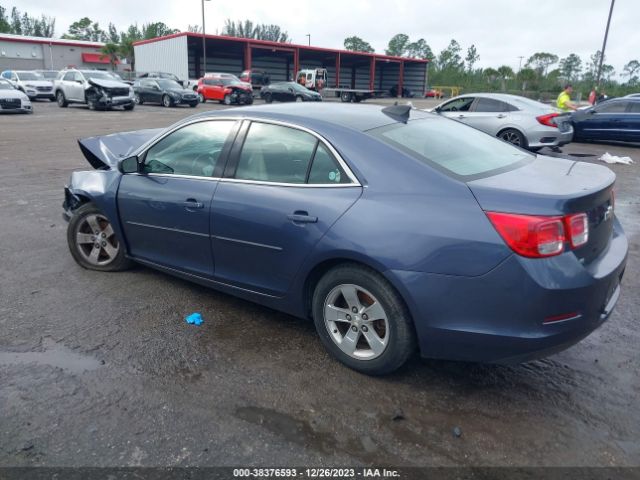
(19, 52)
(182, 55)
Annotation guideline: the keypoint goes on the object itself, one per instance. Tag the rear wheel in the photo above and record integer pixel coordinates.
(61, 99)
(362, 320)
(345, 97)
(514, 137)
(93, 243)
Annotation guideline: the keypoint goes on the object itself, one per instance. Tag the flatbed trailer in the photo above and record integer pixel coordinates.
(353, 94)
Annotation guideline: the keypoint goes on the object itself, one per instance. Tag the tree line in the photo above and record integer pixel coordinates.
(543, 72)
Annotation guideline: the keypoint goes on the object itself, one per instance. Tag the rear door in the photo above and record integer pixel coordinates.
(489, 115)
(283, 190)
(633, 121)
(165, 211)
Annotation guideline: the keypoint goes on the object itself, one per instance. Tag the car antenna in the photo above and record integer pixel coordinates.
(399, 113)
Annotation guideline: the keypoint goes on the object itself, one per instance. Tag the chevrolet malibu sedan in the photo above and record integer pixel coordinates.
(394, 230)
(515, 119)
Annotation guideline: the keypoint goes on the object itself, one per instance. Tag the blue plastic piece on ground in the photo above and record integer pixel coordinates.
(194, 319)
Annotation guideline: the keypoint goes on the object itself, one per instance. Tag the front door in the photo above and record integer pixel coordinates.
(457, 109)
(165, 211)
(286, 192)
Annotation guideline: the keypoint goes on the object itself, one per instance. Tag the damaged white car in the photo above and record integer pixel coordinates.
(97, 89)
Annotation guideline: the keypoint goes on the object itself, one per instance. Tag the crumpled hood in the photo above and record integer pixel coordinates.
(107, 150)
(13, 94)
(100, 82)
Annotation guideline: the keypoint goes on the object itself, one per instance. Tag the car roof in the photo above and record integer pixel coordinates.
(316, 116)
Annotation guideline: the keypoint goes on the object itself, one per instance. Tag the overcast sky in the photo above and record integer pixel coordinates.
(502, 30)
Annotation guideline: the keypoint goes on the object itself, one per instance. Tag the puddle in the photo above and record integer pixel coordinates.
(54, 355)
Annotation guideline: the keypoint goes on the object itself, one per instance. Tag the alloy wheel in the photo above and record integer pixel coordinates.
(356, 321)
(96, 241)
(511, 137)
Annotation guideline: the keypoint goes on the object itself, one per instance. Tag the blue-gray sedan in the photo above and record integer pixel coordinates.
(393, 229)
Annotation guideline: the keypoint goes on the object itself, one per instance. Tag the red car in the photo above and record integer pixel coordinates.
(225, 88)
(433, 93)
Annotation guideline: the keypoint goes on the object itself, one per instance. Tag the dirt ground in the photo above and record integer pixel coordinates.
(100, 369)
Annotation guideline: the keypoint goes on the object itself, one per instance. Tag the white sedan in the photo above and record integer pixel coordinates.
(13, 100)
(518, 120)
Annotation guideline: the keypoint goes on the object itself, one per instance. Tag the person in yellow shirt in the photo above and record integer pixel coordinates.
(564, 99)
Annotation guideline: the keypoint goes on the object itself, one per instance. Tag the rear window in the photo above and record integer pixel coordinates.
(452, 147)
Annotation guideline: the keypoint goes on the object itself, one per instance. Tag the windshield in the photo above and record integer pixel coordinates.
(5, 86)
(168, 84)
(99, 75)
(452, 147)
(230, 81)
(297, 86)
(49, 75)
(29, 76)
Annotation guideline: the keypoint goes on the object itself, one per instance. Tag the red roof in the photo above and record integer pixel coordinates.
(96, 58)
(279, 45)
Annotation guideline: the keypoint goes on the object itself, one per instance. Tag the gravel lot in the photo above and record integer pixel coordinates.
(101, 369)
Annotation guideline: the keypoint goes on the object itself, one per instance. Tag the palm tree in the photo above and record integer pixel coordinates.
(126, 50)
(111, 50)
(505, 72)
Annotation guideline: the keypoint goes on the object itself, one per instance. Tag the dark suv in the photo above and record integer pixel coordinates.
(257, 78)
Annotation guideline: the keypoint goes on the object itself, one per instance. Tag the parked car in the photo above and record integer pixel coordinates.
(257, 78)
(31, 83)
(50, 75)
(226, 89)
(433, 93)
(406, 93)
(632, 95)
(392, 228)
(168, 93)
(617, 119)
(518, 120)
(12, 99)
(97, 89)
(288, 92)
(168, 76)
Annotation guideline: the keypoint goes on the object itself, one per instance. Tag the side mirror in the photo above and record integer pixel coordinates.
(79, 81)
(130, 165)
(437, 109)
(290, 90)
(592, 111)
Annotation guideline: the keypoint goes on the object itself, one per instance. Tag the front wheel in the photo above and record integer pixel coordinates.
(299, 98)
(138, 99)
(129, 107)
(93, 243)
(201, 98)
(166, 101)
(227, 100)
(61, 99)
(268, 98)
(362, 320)
(345, 97)
(513, 136)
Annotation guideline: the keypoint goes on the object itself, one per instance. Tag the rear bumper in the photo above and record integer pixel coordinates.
(549, 137)
(500, 316)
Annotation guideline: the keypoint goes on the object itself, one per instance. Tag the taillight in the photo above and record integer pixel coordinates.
(577, 229)
(548, 120)
(530, 236)
(538, 236)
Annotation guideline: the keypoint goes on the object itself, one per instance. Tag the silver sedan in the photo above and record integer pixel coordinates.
(515, 119)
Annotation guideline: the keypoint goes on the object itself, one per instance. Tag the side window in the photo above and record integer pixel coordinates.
(490, 105)
(68, 77)
(325, 169)
(458, 105)
(272, 153)
(192, 150)
(147, 83)
(7, 75)
(78, 77)
(612, 107)
(634, 107)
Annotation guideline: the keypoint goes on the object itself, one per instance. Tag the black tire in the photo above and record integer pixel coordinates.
(345, 97)
(138, 99)
(77, 224)
(193, 104)
(268, 98)
(129, 107)
(167, 101)
(201, 98)
(299, 98)
(401, 343)
(226, 100)
(249, 101)
(61, 99)
(92, 105)
(52, 99)
(513, 136)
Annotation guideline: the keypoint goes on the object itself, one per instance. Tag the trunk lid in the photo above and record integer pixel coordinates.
(554, 186)
(105, 151)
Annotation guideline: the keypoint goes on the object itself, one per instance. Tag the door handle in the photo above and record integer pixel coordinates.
(501, 116)
(461, 116)
(192, 204)
(302, 217)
